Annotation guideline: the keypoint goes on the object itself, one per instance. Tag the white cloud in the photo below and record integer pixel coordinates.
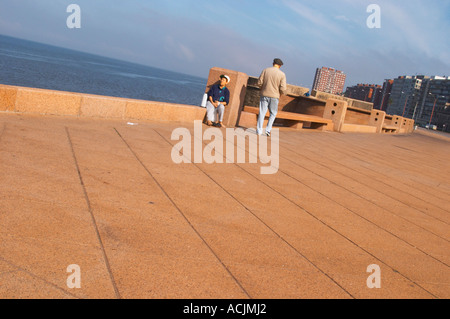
(175, 47)
(342, 18)
(315, 17)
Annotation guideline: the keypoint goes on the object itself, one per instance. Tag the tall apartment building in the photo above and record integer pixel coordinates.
(443, 117)
(424, 99)
(404, 94)
(329, 80)
(386, 92)
(365, 92)
(432, 106)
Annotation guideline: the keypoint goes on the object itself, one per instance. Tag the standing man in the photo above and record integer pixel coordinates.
(218, 98)
(272, 83)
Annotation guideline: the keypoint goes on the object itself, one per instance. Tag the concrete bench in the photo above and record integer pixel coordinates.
(350, 119)
(249, 117)
(407, 126)
(392, 124)
(353, 119)
(360, 121)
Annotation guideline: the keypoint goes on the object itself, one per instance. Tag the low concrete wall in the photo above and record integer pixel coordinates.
(347, 114)
(8, 96)
(17, 99)
(351, 102)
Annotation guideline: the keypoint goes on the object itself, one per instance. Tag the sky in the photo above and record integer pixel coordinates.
(192, 36)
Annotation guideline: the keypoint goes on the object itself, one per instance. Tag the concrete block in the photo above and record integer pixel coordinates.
(293, 124)
(248, 119)
(104, 107)
(357, 116)
(404, 126)
(350, 102)
(252, 96)
(397, 121)
(362, 105)
(8, 96)
(321, 126)
(47, 102)
(392, 124)
(377, 119)
(296, 90)
(358, 128)
(335, 110)
(410, 125)
(325, 96)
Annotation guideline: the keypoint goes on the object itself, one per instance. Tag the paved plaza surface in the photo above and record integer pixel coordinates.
(106, 196)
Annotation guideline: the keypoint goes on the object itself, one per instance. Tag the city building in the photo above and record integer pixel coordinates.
(385, 95)
(329, 80)
(432, 107)
(425, 99)
(404, 95)
(442, 119)
(365, 92)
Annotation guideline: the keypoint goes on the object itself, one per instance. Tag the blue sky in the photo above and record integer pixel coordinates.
(191, 36)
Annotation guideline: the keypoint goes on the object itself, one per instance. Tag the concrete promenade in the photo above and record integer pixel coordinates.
(106, 196)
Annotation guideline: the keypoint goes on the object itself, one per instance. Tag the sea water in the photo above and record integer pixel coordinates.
(31, 64)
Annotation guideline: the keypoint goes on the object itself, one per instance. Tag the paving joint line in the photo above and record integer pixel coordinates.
(88, 203)
(295, 163)
(324, 223)
(418, 210)
(183, 215)
(361, 157)
(364, 151)
(369, 221)
(9, 272)
(381, 181)
(352, 156)
(337, 232)
(20, 269)
(399, 159)
(318, 219)
(364, 185)
(340, 234)
(265, 224)
(389, 232)
(400, 156)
